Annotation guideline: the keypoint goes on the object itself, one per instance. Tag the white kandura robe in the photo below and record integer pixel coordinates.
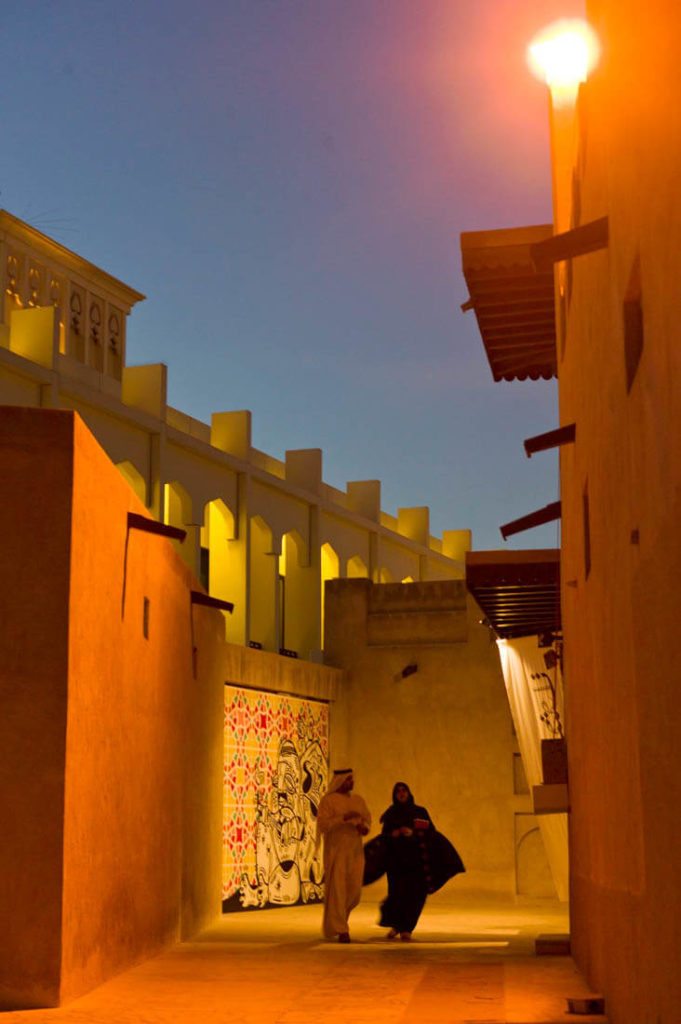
(343, 858)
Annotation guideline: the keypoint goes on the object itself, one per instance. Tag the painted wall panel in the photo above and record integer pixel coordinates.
(276, 757)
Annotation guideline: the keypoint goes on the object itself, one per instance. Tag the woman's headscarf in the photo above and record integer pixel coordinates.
(400, 812)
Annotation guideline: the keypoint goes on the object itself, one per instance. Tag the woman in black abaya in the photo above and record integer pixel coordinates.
(419, 861)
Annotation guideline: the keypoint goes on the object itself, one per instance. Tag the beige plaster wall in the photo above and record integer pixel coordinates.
(124, 856)
(622, 679)
(16, 389)
(261, 670)
(445, 729)
(121, 440)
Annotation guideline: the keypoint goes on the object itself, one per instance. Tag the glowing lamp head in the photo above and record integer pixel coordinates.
(562, 55)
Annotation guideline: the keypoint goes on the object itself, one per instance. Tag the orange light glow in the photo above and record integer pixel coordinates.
(562, 55)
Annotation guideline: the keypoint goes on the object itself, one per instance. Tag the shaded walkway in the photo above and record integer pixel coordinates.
(471, 962)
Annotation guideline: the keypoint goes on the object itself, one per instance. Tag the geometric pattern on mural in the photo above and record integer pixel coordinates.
(275, 773)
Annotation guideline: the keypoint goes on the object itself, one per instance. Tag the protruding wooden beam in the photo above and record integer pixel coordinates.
(197, 597)
(138, 522)
(538, 518)
(576, 242)
(551, 439)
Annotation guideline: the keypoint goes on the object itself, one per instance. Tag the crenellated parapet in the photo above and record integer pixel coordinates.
(261, 532)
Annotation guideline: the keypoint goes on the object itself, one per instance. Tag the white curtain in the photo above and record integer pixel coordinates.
(529, 694)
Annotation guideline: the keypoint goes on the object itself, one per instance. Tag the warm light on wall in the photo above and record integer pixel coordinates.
(562, 55)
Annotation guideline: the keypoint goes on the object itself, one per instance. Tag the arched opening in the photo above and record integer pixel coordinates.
(178, 512)
(297, 597)
(533, 874)
(357, 568)
(263, 582)
(330, 570)
(178, 505)
(385, 575)
(134, 479)
(221, 563)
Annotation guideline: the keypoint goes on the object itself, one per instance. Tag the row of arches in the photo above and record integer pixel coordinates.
(276, 582)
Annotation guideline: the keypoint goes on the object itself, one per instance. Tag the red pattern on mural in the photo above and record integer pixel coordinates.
(256, 724)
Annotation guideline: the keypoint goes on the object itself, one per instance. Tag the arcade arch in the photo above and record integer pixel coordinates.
(297, 596)
(134, 479)
(357, 569)
(263, 585)
(222, 563)
(178, 512)
(330, 570)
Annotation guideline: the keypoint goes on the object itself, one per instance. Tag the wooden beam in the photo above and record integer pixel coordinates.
(538, 518)
(577, 242)
(138, 522)
(551, 439)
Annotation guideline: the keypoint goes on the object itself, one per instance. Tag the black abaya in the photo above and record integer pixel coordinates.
(417, 864)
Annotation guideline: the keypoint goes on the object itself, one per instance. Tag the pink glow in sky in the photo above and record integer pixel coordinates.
(286, 180)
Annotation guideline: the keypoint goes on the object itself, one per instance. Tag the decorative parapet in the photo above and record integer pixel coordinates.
(92, 306)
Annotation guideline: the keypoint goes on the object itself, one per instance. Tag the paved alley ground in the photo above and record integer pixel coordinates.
(470, 962)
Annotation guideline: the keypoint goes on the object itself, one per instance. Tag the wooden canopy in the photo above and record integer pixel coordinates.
(518, 591)
(513, 301)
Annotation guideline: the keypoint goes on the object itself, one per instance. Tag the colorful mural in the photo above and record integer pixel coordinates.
(276, 758)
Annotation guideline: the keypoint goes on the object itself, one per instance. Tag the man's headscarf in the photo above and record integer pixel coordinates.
(335, 783)
(338, 778)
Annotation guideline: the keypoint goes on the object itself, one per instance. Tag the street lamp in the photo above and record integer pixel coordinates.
(562, 55)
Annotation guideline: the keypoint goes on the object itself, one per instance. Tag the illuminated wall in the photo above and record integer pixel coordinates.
(276, 756)
(112, 691)
(619, 372)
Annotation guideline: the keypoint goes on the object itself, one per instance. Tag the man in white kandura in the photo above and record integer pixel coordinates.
(342, 820)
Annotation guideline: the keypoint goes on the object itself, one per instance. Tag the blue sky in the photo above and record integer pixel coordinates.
(286, 181)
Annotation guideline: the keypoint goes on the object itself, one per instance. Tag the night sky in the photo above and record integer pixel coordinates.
(286, 181)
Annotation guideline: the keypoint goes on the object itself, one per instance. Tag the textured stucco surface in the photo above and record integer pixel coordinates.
(119, 746)
(34, 580)
(247, 666)
(622, 678)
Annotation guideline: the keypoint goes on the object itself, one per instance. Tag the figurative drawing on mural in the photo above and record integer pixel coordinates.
(288, 865)
(280, 862)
